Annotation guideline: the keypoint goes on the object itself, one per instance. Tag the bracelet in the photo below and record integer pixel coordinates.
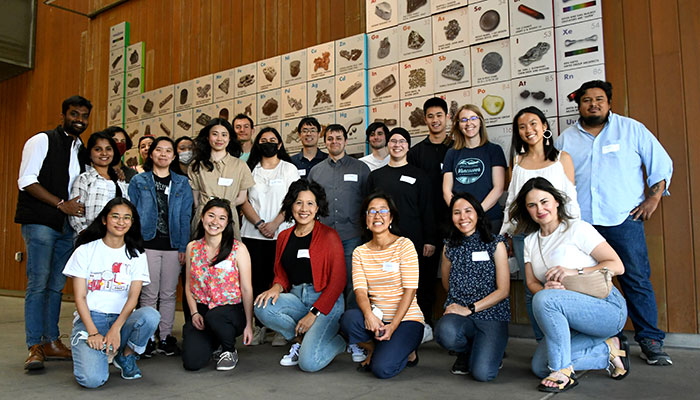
(94, 334)
(60, 203)
(257, 224)
(195, 313)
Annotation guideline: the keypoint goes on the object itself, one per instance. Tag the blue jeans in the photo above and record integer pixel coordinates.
(484, 341)
(390, 356)
(322, 342)
(518, 250)
(574, 324)
(628, 240)
(348, 246)
(47, 253)
(90, 366)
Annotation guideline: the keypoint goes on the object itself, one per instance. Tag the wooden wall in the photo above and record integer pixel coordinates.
(651, 50)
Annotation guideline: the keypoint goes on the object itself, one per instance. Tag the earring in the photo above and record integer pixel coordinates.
(546, 136)
(522, 148)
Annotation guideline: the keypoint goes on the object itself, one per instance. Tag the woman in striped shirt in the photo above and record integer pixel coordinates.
(388, 323)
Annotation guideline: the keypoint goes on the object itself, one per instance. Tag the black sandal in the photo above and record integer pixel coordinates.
(561, 386)
(413, 363)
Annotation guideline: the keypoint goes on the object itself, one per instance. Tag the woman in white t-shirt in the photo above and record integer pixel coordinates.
(575, 325)
(108, 269)
(273, 173)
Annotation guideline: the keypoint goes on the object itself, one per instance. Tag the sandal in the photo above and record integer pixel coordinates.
(561, 385)
(618, 373)
(411, 364)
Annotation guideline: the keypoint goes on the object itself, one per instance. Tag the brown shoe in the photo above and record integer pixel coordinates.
(35, 360)
(56, 350)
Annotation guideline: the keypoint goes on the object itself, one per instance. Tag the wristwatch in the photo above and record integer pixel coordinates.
(471, 308)
(257, 224)
(580, 271)
(315, 311)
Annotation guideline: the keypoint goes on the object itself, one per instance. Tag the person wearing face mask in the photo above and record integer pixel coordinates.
(185, 152)
(273, 173)
(124, 143)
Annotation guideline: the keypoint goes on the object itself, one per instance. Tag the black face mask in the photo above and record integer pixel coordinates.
(268, 149)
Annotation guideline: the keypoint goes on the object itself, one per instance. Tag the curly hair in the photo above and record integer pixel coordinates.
(300, 186)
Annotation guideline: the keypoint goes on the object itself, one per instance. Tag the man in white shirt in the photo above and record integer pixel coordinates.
(49, 166)
(376, 137)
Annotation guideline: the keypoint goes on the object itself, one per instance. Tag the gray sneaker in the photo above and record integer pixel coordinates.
(653, 353)
(292, 358)
(227, 361)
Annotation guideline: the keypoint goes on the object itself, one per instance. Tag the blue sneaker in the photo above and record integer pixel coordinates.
(127, 366)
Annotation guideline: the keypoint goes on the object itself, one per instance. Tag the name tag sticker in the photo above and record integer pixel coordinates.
(167, 191)
(350, 177)
(225, 265)
(408, 179)
(480, 256)
(225, 182)
(611, 148)
(303, 253)
(390, 266)
(302, 172)
(276, 181)
(440, 166)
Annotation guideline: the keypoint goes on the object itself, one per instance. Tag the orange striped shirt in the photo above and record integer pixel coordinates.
(385, 274)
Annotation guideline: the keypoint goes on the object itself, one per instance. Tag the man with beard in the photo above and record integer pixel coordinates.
(608, 151)
(344, 179)
(310, 155)
(376, 137)
(49, 166)
(244, 128)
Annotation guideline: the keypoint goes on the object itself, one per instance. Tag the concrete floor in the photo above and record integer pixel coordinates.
(259, 376)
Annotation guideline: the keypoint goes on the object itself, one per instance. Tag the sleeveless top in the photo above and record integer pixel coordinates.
(555, 174)
(214, 285)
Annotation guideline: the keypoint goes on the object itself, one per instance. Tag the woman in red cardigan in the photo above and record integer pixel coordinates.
(306, 299)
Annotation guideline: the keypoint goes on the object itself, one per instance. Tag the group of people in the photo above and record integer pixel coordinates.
(336, 254)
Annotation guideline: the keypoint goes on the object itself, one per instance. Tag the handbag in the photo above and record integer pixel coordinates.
(596, 283)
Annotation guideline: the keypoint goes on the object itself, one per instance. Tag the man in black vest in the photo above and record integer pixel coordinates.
(49, 166)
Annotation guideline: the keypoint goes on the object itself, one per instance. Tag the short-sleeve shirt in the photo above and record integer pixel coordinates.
(215, 285)
(471, 172)
(108, 274)
(385, 274)
(473, 276)
(570, 247)
(229, 176)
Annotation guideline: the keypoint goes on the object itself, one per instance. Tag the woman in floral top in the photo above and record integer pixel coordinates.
(218, 290)
(477, 279)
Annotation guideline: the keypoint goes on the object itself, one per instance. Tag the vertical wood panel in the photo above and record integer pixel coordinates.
(336, 19)
(283, 25)
(296, 26)
(308, 23)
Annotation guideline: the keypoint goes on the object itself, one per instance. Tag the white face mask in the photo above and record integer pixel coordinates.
(186, 157)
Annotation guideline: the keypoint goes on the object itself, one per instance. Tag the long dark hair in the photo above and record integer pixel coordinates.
(299, 186)
(255, 155)
(227, 236)
(174, 165)
(394, 226)
(133, 240)
(518, 146)
(91, 143)
(202, 148)
(518, 209)
(454, 236)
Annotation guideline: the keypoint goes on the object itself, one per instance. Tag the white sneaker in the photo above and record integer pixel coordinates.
(292, 358)
(279, 340)
(258, 335)
(358, 353)
(427, 333)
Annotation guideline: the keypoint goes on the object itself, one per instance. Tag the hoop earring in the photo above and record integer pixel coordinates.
(547, 138)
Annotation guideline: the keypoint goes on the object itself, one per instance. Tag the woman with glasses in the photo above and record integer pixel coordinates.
(305, 301)
(108, 270)
(474, 165)
(409, 187)
(163, 199)
(272, 173)
(388, 322)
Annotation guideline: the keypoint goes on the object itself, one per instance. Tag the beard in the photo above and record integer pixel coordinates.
(595, 120)
(72, 130)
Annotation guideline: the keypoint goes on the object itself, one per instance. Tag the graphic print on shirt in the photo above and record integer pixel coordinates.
(162, 201)
(110, 280)
(469, 170)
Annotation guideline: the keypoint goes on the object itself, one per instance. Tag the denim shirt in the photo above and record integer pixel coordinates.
(609, 179)
(142, 192)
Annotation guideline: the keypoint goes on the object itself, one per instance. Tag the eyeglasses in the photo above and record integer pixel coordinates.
(117, 218)
(312, 130)
(398, 141)
(381, 211)
(472, 118)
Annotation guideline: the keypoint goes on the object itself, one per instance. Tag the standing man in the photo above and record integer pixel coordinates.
(608, 151)
(376, 137)
(49, 166)
(344, 179)
(244, 128)
(429, 155)
(310, 155)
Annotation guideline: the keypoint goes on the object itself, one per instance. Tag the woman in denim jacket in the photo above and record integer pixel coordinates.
(163, 199)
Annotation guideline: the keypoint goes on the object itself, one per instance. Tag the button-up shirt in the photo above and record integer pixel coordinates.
(609, 178)
(304, 165)
(345, 183)
(33, 156)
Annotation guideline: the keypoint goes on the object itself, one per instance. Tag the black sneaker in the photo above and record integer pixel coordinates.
(150, 349)
(168, 346)
(461, 365)
(653, 353)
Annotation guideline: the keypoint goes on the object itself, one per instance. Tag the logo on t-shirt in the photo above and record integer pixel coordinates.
(469, 170)
(116, 280)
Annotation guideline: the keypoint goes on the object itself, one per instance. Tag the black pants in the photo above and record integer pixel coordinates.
(221, 327)
(262, 263)
(426, 282)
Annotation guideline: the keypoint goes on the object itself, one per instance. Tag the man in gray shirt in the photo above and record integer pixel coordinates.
(344, 179)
